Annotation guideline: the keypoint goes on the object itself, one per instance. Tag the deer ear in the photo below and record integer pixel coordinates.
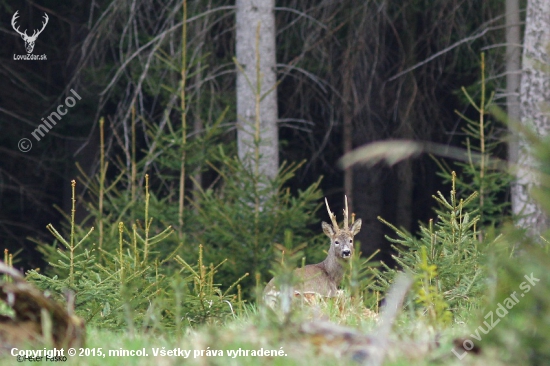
(328, 229)
(356, 227)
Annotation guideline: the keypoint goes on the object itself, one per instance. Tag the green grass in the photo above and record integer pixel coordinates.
(257, 329)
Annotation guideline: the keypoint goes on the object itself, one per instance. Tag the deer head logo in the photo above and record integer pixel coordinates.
(29, 41)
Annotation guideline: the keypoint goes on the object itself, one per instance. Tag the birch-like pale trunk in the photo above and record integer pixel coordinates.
(534, 106)
(513, 73)
(257, 139)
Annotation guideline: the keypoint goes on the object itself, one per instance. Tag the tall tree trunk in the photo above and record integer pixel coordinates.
(369, 204)
(257, 135)
(513, 72)
(347, 113)
(200, 29)
(405, 177)
(534, 102)
(405, 191)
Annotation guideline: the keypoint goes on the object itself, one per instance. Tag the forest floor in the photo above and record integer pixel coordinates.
(309, 335)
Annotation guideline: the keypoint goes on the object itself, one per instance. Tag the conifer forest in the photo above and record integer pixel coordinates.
(275, 182)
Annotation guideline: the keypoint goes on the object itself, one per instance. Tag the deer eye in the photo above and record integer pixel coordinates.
(350, 241)
(337, 242)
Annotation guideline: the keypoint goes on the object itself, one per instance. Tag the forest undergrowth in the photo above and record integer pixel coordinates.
(468, 288)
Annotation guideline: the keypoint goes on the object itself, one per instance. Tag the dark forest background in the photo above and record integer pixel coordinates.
(350, 72)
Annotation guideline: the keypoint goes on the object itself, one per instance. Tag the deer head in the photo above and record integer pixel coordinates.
(341, 240)
(29, 41)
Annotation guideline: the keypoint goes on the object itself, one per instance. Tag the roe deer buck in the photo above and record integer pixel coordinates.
(325, 277)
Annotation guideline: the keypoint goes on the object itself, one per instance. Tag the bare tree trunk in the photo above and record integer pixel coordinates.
(405, 208)
(198, 124)
(348, 145)
(369, 204)
(347, 107)
(534, 103)
(513, 72)
(405, 176)
(257, 136)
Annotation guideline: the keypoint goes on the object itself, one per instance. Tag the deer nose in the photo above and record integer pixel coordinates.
(346, 253)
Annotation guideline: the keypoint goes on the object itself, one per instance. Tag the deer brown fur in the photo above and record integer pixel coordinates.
(325, 277)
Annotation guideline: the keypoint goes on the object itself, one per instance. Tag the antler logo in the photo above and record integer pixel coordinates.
(29, 41)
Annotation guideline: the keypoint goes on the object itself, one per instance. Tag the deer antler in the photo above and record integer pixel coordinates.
(13, 19)
(43, 26)
(346, 225)
(332, 216)
(34, 33)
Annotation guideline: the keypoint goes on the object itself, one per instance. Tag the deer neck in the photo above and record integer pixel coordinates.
(333, 267)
